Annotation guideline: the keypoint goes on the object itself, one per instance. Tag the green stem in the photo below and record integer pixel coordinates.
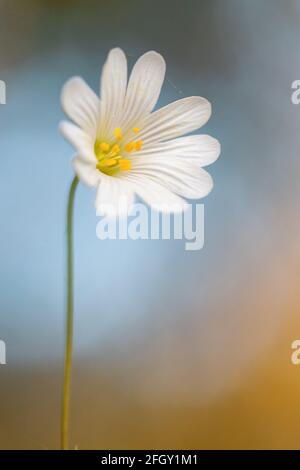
(69, 321)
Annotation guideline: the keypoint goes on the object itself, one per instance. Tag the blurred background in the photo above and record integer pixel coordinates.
(194, 349)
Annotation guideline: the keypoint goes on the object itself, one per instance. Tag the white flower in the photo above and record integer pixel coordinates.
(123, 148)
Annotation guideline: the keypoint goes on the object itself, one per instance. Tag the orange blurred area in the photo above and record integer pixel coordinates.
(262, 413)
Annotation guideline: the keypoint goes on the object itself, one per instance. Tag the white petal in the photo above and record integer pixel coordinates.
(179, 176)
(201, 150)
(143, 89)
(80, 139)
(155, 195)
(114, 196)
(86, 172)
(113, 90)
(81, 104)
(176, 119)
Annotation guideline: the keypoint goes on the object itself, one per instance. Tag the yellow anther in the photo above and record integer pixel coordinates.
(106, 163)
(118, 133)
(104, 146)
(97, 148)
(136, 130)
(115, 148)
(125, 164)
(138, 145)
(110, 162)
(129, 147)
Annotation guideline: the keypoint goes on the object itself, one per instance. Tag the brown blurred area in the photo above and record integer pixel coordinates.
(262, 413)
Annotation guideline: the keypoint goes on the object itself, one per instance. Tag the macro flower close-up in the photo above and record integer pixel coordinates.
(124, 148)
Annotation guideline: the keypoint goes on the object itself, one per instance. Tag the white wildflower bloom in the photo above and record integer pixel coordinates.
(123, 148)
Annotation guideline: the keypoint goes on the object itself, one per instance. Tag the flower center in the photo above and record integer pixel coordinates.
(110, 155)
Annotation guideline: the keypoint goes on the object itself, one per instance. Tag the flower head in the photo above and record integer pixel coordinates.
(124, 148)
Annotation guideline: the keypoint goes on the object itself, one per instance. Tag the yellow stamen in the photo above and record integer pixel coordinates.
(138, 145)
(118, 133)
(110, 162)
(125, 164)
(109, 158)
(115, 148)
(129, 147)
(104, 146)
(136, 130)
